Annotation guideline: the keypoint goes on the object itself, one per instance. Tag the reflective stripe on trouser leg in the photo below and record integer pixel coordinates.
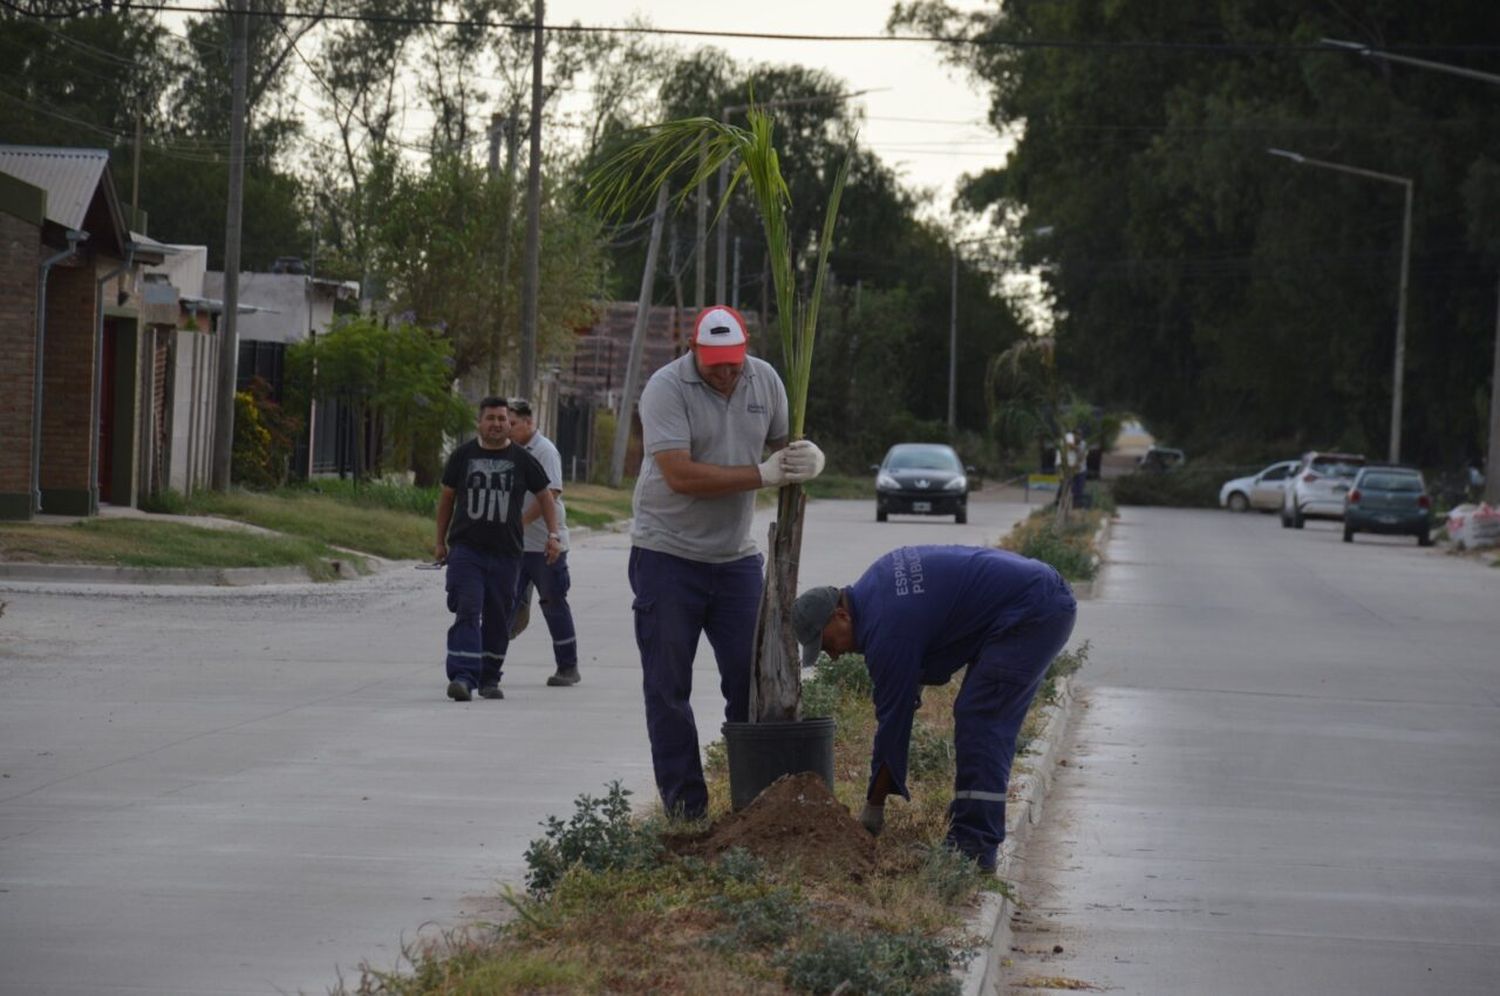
(552, 582)
(671, 599)
(987, 718)
(481, 587)
(464, 579)
(499, 602)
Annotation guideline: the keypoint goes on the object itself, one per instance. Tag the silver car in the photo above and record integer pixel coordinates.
(1317, 487)
(1261, 491)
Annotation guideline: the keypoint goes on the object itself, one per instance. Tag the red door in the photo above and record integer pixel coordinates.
(107, 411)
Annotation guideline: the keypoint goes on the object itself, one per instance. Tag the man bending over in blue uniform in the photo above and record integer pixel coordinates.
(919, 615)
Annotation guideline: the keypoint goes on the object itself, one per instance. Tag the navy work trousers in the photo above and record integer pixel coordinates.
(987, 718)
(676, 601)
(481, 595)
(551, 582)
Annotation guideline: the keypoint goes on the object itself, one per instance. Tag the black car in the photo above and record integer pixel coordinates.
(922, 479)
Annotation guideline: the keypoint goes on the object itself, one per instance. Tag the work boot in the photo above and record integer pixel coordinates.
(565, 676)
(490, 692)
(458, 691)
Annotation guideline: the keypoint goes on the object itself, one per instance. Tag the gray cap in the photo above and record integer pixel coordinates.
(810, 613)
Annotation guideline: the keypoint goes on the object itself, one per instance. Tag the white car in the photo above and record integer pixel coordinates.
(1262, 491)
(1317, 487)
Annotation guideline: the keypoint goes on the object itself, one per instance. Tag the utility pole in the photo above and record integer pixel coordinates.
(637, 345)
(135, 169)
(229, 338)
(953, 348)
(1399, 375)
(672, 263)
(700, 245)
(1492, 464)
(510, 125)
(721, 255)
(734, 293)
(531, 275)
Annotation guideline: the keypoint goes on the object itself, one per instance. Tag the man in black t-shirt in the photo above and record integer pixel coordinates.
(479, 537)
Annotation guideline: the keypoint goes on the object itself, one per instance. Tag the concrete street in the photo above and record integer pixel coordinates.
(1285, 779)
(248, 791)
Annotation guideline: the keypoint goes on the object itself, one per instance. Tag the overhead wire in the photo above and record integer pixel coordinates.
(980, 40)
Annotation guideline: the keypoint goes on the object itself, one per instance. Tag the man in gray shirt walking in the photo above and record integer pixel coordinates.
(707, 418)
(550, 579)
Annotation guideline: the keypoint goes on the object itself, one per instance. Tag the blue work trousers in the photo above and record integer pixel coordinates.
(987, 717)
(551, 582)
(481, 595)
(677, 601)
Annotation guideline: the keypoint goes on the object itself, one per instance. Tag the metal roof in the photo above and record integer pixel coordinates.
(69, 176)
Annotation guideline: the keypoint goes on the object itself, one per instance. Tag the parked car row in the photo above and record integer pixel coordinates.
(1372, 498)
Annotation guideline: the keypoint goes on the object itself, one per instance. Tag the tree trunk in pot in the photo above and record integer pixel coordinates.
(776, 668)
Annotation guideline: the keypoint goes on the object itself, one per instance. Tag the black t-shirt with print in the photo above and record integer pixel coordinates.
(490, 487)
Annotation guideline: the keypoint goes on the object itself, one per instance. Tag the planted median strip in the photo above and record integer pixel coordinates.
(790, 894)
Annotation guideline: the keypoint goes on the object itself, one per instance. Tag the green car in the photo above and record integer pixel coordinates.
(1388, 500)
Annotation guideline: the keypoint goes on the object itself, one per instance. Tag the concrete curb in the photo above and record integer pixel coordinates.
(227, 577)
(101, 574)
(1023, 810)
(1085, 590)
(221, 577)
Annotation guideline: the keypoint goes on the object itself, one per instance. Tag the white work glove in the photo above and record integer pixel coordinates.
(802, 461)
(772, 473)
(873, 818)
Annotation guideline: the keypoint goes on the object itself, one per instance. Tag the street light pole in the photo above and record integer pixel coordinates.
(953, 348)
(953, 318)
(1399, 374)
(1492, 464)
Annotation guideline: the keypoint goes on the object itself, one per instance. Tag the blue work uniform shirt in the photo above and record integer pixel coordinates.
(922, 613)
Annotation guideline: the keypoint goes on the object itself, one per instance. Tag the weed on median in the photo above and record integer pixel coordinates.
(1069, 549)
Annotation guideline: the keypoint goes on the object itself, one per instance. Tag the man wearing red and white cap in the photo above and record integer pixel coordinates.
(707, 419)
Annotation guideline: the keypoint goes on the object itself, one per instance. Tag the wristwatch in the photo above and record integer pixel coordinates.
(556, 536)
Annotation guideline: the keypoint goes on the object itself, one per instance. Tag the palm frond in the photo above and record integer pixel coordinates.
(700, 145)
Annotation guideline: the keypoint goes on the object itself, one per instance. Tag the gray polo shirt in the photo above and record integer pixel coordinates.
(679, 411)
(536, 532)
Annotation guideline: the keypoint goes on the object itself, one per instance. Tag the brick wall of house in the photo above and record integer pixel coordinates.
(67, 435)
(20, 246)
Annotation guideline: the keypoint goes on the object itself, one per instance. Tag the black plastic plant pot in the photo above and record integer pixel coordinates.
(760, 753)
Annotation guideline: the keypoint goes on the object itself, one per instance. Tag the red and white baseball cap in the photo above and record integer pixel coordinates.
(719, 336)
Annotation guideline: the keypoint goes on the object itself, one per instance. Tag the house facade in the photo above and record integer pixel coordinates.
(79, 363)
(278, 310)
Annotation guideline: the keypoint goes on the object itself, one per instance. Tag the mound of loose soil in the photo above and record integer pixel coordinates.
(795, 819)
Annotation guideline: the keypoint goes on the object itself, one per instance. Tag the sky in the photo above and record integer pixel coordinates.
(925, 120)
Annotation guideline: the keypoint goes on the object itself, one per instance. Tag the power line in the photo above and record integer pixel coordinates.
(987, 40)
(184, 150)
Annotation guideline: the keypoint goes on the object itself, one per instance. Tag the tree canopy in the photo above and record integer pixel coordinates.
(1233, 299)
(337, 173)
